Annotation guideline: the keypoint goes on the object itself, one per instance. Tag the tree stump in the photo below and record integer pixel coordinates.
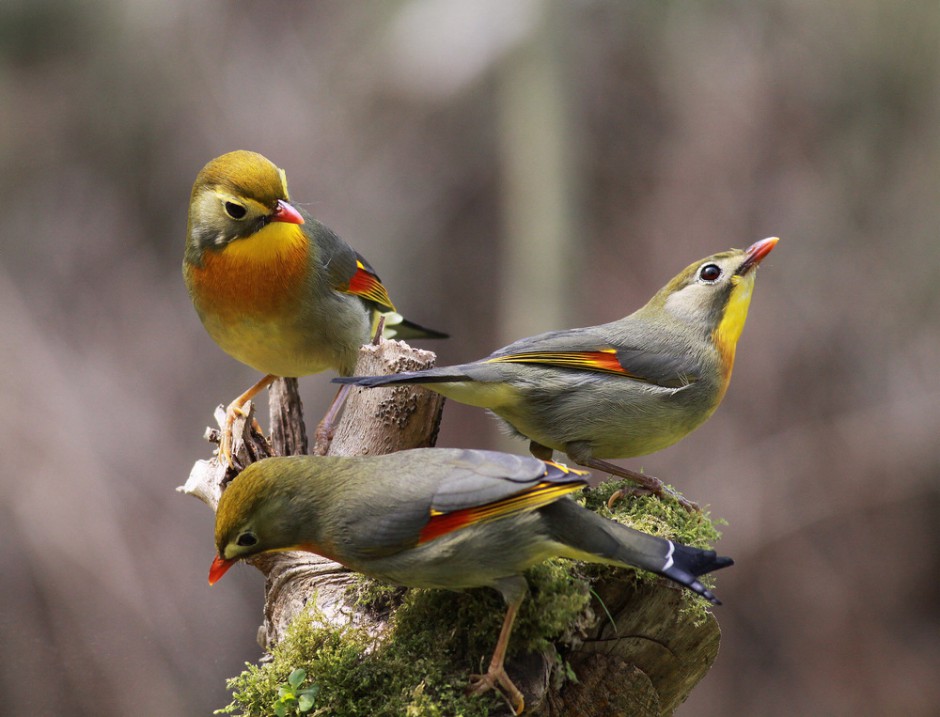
(646, 665)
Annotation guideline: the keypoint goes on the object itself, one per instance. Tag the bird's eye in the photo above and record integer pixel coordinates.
(709, 273)
(246, 540)
(235, 211)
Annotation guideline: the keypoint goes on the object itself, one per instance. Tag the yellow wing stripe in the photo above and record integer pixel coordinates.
(602, 360)
(542, 494)
(567, 470)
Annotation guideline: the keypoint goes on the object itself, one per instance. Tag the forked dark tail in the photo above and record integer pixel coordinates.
(688, 563)
(587, 532)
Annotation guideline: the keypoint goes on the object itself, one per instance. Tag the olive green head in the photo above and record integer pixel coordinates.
(235, 196)
(265, 508)
(714, 293)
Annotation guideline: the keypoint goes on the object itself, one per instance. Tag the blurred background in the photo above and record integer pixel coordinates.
(509, 168)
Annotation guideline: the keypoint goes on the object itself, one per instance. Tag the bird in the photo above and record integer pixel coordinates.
(273, 287)
(445, 518)
(621, 389)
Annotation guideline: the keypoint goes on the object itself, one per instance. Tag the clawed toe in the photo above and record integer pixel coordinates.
(498, 677)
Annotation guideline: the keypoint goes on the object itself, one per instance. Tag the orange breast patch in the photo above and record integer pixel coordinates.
(238, 282)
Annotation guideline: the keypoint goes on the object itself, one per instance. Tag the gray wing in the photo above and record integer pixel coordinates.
(346, 270)
(438, 481)
(619, 348)
(477, 478)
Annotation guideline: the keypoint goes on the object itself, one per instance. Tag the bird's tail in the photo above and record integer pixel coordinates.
(449, 374)
(588, 534)
(398, 327)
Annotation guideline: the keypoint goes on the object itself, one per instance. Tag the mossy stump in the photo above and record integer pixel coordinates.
(589, 641)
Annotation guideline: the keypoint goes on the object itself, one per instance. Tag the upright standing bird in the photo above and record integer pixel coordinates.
(274, 288)
(438, 518)
(618, 390)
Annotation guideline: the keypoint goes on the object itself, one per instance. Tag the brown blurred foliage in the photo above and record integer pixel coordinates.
(681, 129)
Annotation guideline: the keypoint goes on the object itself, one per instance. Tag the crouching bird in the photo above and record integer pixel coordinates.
(273, 287)
(618, 390)
(438, 518)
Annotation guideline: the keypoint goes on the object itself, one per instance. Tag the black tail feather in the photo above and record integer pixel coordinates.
(398, 378)
(588, 533)
(372, 381)
(406, 329)
(688, 563)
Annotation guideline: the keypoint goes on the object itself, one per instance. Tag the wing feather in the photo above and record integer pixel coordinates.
(456, 488)
(366, 284)
(494, 485)
(598, 350)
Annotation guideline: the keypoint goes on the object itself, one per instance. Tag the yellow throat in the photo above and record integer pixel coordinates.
(268, 245)
(729, 330)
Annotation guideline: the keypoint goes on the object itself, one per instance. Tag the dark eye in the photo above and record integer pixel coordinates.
(709, 273)
(246, 540)
(235, 211)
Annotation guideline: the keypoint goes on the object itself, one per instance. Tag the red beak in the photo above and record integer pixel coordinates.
(219, 567)
(286, 213)
(756, 252)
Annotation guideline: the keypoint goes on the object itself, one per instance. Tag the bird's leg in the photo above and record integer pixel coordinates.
(543, 453)
(647, 483)
(496, 674)
(324, 433)
(235, 409)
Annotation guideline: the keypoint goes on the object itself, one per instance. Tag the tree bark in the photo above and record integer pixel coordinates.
(646, 662)
(646, 665)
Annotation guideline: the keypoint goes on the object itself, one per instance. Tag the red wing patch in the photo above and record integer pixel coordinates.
(542, 494)
(367, 285)
(602, 360)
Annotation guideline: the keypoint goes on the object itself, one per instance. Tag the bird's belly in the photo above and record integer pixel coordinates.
(474, 556)
(279, 346)
(476, 393)
(613, 422)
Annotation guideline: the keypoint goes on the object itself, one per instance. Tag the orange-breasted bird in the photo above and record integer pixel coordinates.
(618, 390)
(438, 518)
(275, 288)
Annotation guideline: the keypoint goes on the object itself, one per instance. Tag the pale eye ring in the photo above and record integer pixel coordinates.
(710, 273)
(234, 210)
(246, 540)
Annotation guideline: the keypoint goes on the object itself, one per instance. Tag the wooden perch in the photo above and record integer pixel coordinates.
(372, 423)
(646, 665)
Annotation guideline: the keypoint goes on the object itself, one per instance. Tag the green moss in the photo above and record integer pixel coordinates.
(468, 623)
(356, 675)
(437, 639)
(376, 598)
(664, 516)
(310, 644)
